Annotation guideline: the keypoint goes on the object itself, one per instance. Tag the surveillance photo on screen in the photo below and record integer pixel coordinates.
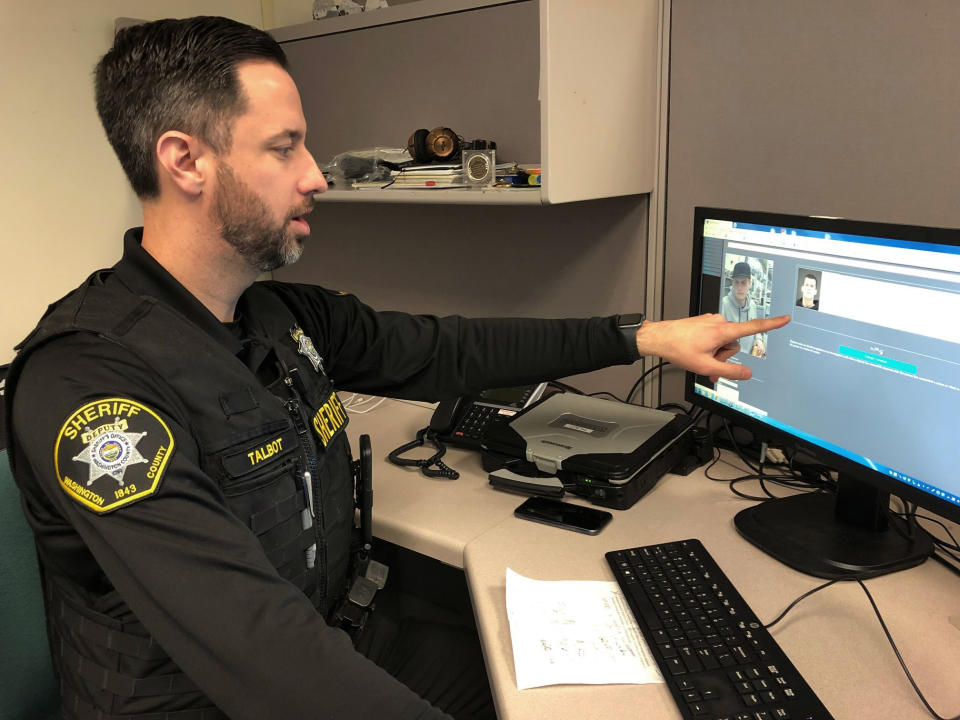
(745, 295)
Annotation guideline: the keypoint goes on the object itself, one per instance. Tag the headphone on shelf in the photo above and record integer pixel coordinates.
(440, 144)
(444, 145)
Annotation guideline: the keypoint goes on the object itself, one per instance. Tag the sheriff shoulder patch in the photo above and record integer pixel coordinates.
(112, 452)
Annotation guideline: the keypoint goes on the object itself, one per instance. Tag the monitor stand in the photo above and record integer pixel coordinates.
(850, 534)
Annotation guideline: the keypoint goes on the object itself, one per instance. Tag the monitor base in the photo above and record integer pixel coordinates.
(805, 532)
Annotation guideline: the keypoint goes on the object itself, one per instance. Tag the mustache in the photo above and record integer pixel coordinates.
(300, 212)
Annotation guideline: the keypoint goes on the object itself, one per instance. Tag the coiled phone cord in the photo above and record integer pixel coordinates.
(425, 435)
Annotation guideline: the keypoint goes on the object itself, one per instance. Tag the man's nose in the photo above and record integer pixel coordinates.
(313, 181)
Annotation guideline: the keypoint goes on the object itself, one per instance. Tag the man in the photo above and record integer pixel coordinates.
(737, 306)
(808, 293)
(175, 434)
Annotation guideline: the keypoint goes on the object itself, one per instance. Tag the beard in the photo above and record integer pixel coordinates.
(246, 224)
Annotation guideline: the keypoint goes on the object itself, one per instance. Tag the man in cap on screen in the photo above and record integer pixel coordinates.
(737, 306)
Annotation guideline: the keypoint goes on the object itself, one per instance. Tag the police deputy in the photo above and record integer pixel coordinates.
(175, 433)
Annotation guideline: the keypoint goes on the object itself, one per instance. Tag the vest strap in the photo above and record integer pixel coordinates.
(138, 646)
(288, 553)
(306, 581)
(275, 514)
(139, 312)
(123, 685)
(282, 535)
(77, 709)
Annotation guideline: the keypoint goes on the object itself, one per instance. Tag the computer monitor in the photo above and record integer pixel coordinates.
(864, 379)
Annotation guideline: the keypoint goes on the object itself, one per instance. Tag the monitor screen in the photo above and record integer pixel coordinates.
(865, 378)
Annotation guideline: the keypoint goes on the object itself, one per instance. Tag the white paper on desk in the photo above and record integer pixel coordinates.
(571, 631)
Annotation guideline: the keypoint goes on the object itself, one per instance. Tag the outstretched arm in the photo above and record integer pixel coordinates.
(704, 343)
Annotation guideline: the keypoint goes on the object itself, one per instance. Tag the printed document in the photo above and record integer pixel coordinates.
(578, 632)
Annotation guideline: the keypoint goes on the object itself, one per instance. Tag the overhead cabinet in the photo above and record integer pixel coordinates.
(566, 85)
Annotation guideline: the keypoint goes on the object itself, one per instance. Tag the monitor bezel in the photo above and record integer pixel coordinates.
(776, 436)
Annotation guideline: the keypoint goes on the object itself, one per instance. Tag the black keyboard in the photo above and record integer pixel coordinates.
(718, 660)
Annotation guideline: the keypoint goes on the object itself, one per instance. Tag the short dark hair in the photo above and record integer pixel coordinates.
(175, 75)
(810, 276)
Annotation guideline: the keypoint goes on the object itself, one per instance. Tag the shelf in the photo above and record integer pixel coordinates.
(564, 85)
(384, 16)
(443, 196)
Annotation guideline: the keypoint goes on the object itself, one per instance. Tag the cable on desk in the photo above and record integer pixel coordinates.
(896, 651)
(604, 392)
(677, 406)
(566, 388)
(792, 478)
(763, 459)
(356, 400)
(951, 565)
(643, 375)
(912, 511)
(665, 406)
(883, 625)
(821, 475)
(946, 553)
(942, 548)
(756, 475)
(796, 602)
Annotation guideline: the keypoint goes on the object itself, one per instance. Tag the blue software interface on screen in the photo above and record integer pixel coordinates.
(869, 366)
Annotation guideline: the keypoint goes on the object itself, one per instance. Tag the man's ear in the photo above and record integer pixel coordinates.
(184, 161)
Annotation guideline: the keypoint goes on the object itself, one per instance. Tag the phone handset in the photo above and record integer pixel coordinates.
(445, 415)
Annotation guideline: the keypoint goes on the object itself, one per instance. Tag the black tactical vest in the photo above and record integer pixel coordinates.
(280, 457)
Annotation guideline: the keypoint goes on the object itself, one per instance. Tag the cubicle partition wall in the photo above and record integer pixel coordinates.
(810, 107)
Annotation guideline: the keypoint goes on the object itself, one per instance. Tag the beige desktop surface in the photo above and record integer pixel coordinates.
(833, 637)
(436, 517)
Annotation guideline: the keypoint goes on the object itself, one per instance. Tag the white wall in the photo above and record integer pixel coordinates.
(64, 201)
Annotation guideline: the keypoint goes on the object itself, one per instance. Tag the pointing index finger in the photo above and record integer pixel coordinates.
(751, 327)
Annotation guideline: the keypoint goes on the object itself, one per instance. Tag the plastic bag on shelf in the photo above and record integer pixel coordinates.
(364, 166)
(334, 8)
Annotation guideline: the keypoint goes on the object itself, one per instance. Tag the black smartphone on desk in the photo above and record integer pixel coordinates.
(563, 515)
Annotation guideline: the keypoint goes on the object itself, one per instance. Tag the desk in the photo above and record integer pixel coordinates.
(832, 637)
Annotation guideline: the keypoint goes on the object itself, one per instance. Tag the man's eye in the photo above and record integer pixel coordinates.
(285, 150)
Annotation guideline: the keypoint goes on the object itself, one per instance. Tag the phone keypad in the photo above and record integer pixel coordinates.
(472, 426)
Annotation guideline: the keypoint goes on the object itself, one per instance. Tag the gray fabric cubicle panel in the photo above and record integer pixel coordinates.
(810, 107)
